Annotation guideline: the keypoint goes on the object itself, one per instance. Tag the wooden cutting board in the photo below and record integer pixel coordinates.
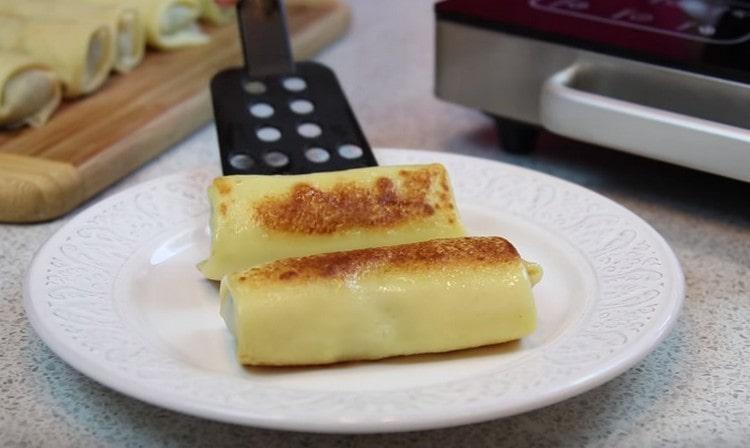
(92, 142)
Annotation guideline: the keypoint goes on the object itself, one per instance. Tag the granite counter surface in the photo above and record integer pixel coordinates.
(693, 390)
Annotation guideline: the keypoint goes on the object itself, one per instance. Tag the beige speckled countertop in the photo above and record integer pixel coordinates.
(693, 390)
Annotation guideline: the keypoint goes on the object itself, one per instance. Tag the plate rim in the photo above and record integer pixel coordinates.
(629, 357)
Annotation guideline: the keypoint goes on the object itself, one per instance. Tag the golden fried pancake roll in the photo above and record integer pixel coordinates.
(29, 91)
(427, 297)
(129, 42)
(257, 219)
(80, 52)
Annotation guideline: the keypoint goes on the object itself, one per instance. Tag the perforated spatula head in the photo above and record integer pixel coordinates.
(277, 117)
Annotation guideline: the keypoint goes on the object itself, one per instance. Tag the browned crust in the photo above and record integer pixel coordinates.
(223, 186)
(446, 253)
(389, 202)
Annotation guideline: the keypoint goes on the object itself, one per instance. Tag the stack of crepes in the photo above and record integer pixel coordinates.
(53, 49)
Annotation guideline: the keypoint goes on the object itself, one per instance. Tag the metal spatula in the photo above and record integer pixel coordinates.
(277, 117)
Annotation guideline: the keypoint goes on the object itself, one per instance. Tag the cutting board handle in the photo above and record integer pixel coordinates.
(34, 189)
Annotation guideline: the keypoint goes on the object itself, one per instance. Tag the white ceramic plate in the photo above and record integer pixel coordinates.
(115, 293)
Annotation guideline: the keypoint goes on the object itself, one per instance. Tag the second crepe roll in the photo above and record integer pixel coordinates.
(29, 91)
(426, 297)
(169, 24)
(256, 219)
(216, 14)
(80, 52)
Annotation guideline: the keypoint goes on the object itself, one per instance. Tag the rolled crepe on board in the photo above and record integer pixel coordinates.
(169, 24)
(125, 23)
(427, 297)
(79, 52)
(216, 14)
(256, 219)
(29, 92)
